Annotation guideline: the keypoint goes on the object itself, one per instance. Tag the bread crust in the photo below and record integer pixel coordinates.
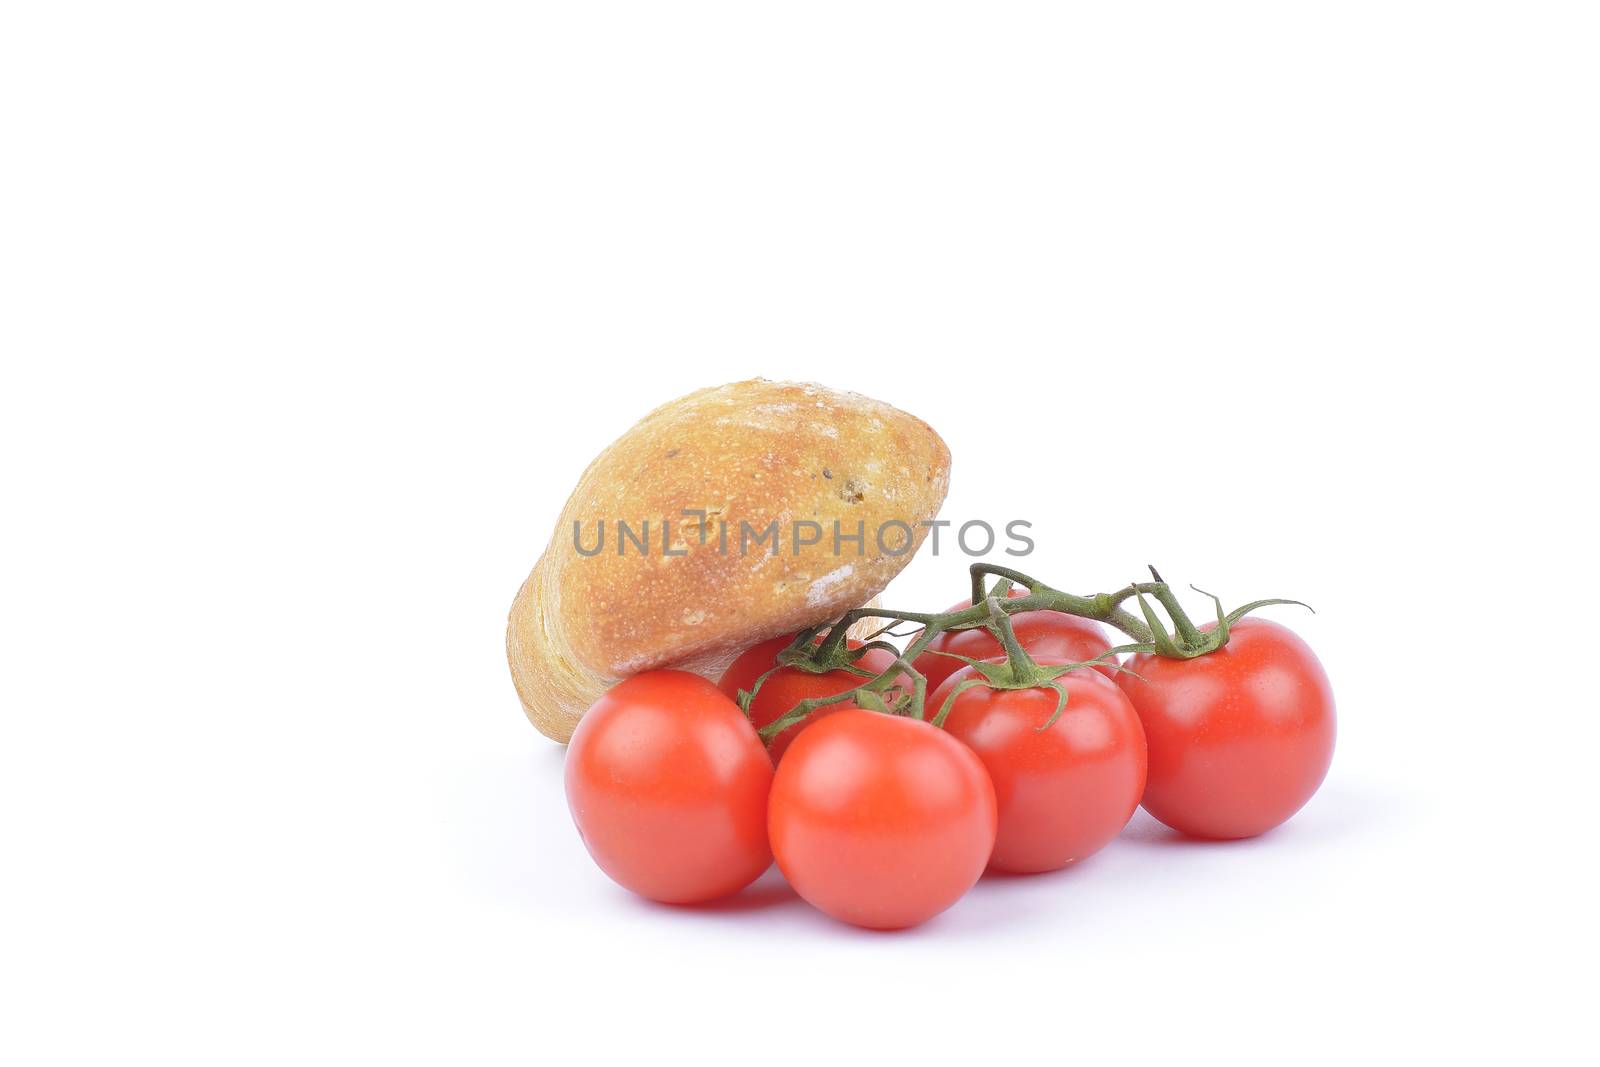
(754, 453)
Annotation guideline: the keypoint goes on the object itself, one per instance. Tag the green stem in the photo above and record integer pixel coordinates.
(1101, 607)
(1000, 623)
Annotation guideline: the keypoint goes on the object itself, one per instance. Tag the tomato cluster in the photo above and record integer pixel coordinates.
(884, 820)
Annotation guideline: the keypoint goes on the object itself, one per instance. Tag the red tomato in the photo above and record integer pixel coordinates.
(668, 784)
(1064, 792)
(1239, 738)
(880, 820)
(780, 693)
(1047, 635)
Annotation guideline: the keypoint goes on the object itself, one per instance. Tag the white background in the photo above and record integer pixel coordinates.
(312, 313)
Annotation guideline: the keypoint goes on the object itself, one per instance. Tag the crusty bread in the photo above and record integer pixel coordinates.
(753, 452)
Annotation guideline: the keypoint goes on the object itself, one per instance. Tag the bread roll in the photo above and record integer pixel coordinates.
(748, 455)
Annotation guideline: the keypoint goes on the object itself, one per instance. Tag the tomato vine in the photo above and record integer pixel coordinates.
(823, 648)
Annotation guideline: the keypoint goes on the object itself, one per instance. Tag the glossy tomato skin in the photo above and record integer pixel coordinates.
(668, 784)
(789, 686)
(1063, 793)
(880, 820)
(1049, 636)
(1240, 738)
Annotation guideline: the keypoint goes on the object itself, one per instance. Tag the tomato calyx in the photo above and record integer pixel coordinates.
(884, 693)
(806, 653)
(1018, 670)
(1003, 675)
(1187, 641)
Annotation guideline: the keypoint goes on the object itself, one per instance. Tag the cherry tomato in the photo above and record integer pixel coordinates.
(1065, 791)
(786, 688)
(668, 784)
(880, 820)
(1047, 635)
(1239, 738)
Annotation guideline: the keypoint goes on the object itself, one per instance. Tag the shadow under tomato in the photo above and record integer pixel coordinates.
(1337, 810)
(994, 874)
(766, 893)
(1145, 829)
